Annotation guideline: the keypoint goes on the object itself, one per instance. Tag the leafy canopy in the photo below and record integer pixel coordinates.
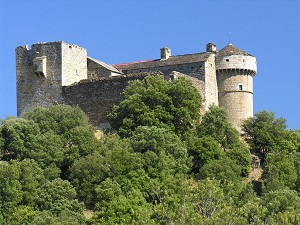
(155, 102)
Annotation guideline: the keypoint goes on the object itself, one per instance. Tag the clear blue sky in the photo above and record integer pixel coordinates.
(123, 31)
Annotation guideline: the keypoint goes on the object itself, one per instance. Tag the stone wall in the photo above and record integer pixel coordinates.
(236, 62)
(35, 89)
(43, 69)
(74, 63)
(210, 80)
(96, 71)
(97, 97)
(236, 95)
(196, 70)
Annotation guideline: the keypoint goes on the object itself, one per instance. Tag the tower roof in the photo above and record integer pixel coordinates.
(231, 50)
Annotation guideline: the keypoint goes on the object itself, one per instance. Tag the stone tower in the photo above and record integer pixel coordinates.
(44, 69)
(235, 70)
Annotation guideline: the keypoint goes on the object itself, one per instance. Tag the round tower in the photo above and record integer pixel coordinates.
(235, 70)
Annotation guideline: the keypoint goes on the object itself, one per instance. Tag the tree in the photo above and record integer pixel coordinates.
(264, 132)
(31, 177)
(210, 202)
(22, 215)
(280, 171)
(17, 135)
(58, 118)
(224, 170)
(241, 155)
(65, 136)
(204, 150)
(161, 150)
(214, 123)
(154, 102)
(281, 201)
(115, 159)
(65, 217)
(131, 208)
(10, 188)
(56, 196)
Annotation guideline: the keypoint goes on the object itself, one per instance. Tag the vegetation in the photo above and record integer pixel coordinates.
(157, 165)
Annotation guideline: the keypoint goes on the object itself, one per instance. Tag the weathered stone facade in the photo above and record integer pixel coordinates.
(58, 72)
(97, 97)
(63, 65)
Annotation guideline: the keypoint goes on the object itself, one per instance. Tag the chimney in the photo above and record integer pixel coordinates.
(210, 47)
(165, 53)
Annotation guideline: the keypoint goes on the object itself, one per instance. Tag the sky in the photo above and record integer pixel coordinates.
(118, 31)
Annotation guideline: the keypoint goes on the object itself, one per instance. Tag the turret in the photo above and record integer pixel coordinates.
(44, 69)
(235, 71)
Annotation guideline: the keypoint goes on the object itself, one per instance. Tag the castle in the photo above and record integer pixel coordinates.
(58, 72)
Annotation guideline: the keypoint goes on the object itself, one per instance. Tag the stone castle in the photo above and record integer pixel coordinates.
(57, 72)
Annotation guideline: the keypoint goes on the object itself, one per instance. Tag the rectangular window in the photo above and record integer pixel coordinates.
(240, 87)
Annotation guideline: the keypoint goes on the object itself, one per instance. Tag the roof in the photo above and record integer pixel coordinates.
(172, 60)
(105, 65)
(231, 50)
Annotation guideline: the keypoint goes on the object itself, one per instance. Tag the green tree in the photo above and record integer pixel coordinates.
(22, 215)
(155, 102)
(225, 170)
(161, 150)
(264, 133)
(214, 123)
(65, 217)
(31, 177)
(58, 118)
(65, 136)
(17, 135)
(10, 188)
(280, 171)
(56, 196)
(241, 155)
(115, 159)
(204, 150)
(131, 208)
(281, 201)
(210, 202)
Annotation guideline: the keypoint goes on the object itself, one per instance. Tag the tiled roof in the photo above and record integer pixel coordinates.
(172, 60)
(105, 65)
(231, 50)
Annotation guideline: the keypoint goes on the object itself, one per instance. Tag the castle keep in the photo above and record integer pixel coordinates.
(57, 72)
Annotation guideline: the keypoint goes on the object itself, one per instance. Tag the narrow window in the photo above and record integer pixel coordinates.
(240, 87)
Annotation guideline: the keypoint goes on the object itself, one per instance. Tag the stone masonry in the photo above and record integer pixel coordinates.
(57, 72)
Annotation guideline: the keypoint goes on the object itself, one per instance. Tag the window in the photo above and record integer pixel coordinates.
(227, 60)
(240, 87)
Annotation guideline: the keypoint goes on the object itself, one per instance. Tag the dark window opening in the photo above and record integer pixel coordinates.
(240, 87)
(227, 60)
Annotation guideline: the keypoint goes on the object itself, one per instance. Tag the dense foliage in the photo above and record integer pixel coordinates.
(158, 164)
(155, 102)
